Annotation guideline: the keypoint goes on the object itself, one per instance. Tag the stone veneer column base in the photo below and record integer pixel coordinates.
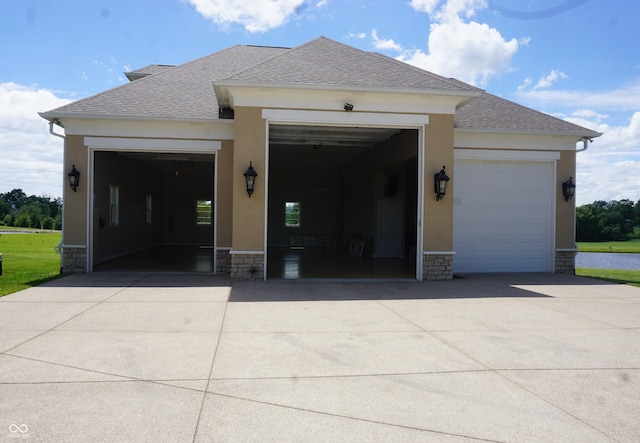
(223, 261)
(247, 266)
(74, 259)
(566, 261)
(437, 266)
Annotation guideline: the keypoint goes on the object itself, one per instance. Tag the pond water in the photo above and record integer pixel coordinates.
(608, 260)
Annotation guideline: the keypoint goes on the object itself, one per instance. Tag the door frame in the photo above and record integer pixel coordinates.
(351, 119)
(146, 145)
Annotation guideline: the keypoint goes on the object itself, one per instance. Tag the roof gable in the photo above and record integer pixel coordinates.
(324, 62)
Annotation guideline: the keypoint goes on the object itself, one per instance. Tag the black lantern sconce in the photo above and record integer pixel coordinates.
(568, 189)
(74, 178)
(250, 177)
(440, 181)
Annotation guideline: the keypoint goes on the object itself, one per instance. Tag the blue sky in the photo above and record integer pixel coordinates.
(575, 59)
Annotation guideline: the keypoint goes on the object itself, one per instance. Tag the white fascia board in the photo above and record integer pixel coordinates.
(505, 155)
(152, 144)
(331, 99)
(203, 130)
(508, 140)
(344, 118)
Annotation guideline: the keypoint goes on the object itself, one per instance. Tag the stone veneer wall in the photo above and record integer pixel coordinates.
(223, 261)
(74, 260)
(247, 266)
(566, 261)
(437, 266)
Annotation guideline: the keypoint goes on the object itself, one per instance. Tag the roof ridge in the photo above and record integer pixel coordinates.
(276, 56)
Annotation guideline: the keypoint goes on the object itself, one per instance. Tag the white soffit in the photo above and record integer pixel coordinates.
(152, 144)
(482, 154)
(344, 118)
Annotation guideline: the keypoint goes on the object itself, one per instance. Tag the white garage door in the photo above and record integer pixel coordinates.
(502, 217)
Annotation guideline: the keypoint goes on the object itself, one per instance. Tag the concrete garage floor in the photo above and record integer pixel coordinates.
(123, 357)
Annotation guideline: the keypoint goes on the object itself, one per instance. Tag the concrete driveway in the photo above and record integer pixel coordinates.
(172, 358)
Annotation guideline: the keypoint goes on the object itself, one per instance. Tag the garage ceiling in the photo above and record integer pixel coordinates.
(323, 146)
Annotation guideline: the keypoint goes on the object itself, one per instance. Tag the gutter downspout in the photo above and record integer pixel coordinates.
(61, 243)
(585, 146)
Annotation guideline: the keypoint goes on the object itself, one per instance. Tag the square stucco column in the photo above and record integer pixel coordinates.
(566, 250)
(248, 216)
(437, 226)
(76, 211)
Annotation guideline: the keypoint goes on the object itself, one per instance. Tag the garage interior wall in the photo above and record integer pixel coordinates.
(341, 200)
(174, 192)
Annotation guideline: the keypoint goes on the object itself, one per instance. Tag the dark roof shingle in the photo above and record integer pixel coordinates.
(489, 112)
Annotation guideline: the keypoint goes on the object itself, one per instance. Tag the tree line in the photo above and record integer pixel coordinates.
(19, 210)
(607, 221)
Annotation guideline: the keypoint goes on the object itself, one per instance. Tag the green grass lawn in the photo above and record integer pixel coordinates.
(612, 275)
(28, 260)
(629, 246)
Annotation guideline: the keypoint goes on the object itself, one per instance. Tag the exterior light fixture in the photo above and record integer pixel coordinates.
(440, 184)
(250, 177)
(348, 107)
(74, 178)
(568, 189)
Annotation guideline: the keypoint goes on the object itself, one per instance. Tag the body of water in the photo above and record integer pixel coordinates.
(602, 260)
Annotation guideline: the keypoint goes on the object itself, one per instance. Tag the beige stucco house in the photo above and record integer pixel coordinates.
(345, 143)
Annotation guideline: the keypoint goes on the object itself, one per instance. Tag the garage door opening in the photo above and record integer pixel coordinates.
(342, 202)
(153, 212)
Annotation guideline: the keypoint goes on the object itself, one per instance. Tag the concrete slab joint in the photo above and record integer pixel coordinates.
(437, 266)
(247, 266)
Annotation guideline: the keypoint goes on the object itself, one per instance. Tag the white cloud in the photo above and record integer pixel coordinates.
(427, 6)
(550, 79)
(481, 52)
(624, 98)
(608, 170)
(30, 157)
(384, 43)
(359, 35)
(253, 15)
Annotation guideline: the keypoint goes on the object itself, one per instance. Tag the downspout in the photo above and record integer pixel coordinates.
(61, 243)
(585, 146)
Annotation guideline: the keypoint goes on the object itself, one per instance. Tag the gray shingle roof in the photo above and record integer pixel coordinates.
(326, 62)
(184, 92)
(492, 113)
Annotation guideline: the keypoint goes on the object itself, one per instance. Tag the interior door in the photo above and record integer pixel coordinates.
(389, 237)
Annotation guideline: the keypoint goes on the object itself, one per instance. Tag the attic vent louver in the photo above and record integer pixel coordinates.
(225, 113)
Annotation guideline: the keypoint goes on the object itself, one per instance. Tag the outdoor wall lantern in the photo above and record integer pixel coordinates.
(74, 178)
(568, 189)
(250, 177)
(348, 107)
(440, 183)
